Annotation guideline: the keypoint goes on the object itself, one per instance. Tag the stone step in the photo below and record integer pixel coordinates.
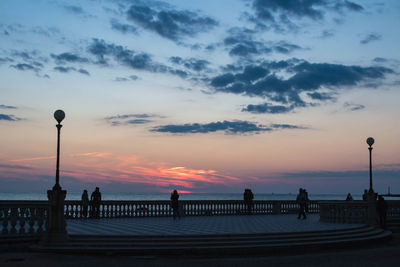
(167, 238)
(200, 243)
(226, 238)
(221, 245)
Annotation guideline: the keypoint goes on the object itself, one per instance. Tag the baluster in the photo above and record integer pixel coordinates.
(13, 220)
(22, 221)
(40, 220)
(5, 221)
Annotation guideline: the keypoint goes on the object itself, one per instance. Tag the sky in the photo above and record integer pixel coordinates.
(200, 96)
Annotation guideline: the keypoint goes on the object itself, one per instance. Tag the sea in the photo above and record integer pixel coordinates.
(183, 196)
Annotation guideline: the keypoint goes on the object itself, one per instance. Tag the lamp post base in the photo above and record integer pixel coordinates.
(56, 225)
(372, 214)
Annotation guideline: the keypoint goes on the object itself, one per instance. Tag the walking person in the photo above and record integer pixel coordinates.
(175, 204)
(301, 199)
(85, 204)
(95, 199)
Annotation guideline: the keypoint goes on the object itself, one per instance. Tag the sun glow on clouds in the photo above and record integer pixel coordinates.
(106, 168)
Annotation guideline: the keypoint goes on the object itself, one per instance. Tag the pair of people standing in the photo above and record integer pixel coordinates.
(302, 199)
(95, 199)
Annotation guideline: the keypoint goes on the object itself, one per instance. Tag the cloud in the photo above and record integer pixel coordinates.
(191, 63)
(321, 96)
(285, 82)
(5, 117)
(125, 56)
(241, 43)
(24, 67)
(131, 119)
(70, 69)
(229, 127)
(68, 57)
(169, 23)
(123, 28)
(279, 15)
(353, 107)
(7, 107)
(267, 108)
(371, 38)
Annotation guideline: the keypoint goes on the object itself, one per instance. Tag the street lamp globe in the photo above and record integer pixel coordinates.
(370, 141)
(59, 115)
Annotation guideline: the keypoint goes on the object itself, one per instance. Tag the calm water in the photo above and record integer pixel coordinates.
(166, 196)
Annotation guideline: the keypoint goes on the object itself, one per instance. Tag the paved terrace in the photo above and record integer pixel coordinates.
(201, 225)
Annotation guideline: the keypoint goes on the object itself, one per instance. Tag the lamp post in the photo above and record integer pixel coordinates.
(370, 142)
(56, 231)
(59, 115)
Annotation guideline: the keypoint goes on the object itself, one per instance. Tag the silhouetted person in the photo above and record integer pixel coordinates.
(175, 204)
(381, 208)
(364, 196)
(85, 203)
(95, 199)
(349, 197)
(301, 199)
(248, 199)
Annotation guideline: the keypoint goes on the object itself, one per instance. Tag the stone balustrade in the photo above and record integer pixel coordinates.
(30, 217)
(159, 208)
(23, 218)
(353, 211)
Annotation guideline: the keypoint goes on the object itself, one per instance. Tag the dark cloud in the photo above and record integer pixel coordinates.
(191, 63)
(123, 28)
(24, 66)
(340, 5)
(267, 108)
(68, 57)
(352, 106)
(138, 121)
(70, 69)
(5, 117)
(287, 126)
(262, 80)
(7, 107)
(321, 96)
(169, 23)
(279, 15)
(241, 42)
(135, 60)
(229, 127)
(131, 119)
(370, 38)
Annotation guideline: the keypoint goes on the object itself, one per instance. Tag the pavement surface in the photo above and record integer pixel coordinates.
(201, 225)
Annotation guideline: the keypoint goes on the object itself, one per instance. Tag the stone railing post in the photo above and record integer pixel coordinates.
(56, 233)
(276, 208)
(372, 213)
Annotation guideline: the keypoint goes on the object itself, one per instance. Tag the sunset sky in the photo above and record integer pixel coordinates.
(200, 96)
